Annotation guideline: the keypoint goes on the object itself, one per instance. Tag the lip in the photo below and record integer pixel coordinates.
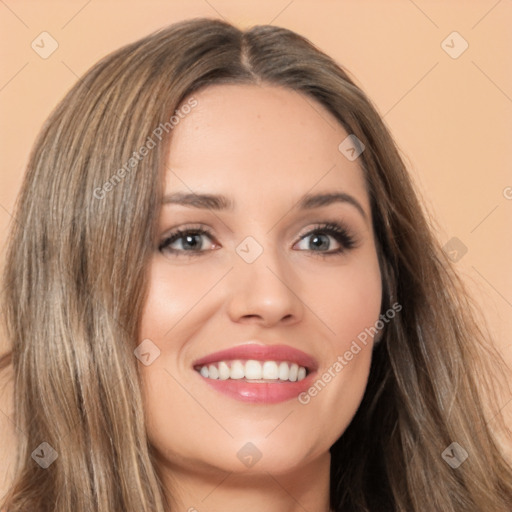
(260, 352)
(260, 392)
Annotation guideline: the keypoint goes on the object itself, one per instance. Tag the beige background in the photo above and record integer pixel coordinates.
(451, 117)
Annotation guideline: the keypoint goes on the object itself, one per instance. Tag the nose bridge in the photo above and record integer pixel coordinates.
(262, 283)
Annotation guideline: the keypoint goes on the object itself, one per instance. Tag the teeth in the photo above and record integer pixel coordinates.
(237, 370)
(270, 370)
(254, 370)
(213, 372)
(294, 370)
(284, 371)
(223, 371)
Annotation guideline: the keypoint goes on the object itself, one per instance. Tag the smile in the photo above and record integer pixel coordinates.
(258, 373)
(252, 370)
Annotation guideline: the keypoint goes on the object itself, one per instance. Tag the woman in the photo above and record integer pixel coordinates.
(314, 350)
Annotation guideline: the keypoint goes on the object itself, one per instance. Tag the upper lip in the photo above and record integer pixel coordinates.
(261, 352)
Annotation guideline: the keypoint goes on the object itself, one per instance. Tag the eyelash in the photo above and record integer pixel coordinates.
(338, 232)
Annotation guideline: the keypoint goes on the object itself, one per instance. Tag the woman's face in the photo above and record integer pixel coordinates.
(267, 273)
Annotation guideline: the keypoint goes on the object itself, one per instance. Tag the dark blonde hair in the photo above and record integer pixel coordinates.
(75, 281)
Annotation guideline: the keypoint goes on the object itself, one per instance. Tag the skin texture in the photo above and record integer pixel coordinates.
(263, 147)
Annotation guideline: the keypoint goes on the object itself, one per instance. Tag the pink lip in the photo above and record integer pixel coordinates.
(261, 392)
(260, 352)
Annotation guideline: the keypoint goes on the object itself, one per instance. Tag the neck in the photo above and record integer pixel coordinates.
(302, 488)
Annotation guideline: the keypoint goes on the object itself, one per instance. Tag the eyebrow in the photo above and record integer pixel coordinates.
(221, 202)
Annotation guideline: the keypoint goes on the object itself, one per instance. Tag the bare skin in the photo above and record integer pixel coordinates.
(263, 147)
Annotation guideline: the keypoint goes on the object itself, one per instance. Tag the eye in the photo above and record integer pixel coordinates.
(185, 241)
(190, 242)
(319, 239)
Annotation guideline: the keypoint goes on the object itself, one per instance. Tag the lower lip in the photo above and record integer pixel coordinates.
(260, 392)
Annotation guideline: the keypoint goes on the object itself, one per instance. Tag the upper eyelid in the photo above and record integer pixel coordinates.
(303, 232)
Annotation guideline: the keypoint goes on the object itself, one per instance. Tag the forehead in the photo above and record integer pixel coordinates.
(263, 140)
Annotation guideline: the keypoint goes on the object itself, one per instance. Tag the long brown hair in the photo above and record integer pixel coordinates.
(75, 282)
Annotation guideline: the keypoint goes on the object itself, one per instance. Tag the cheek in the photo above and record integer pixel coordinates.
(349, 306)
(335, 395)
(172, 294)
(168, 411)
(360, 302)
(348, 301)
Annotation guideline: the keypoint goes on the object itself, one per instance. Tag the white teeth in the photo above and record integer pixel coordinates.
(223, 371)
(284, 371)
(270, 370)
(254, 370)
(213, 372)
(294, 370)
(237, 370)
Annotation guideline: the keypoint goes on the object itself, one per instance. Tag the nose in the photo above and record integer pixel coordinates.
(265, 292)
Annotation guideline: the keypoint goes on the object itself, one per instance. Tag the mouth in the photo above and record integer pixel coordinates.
(258, 373)
(252, 370)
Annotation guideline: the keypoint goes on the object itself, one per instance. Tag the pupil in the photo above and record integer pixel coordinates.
(316, 239)
(190, 240)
